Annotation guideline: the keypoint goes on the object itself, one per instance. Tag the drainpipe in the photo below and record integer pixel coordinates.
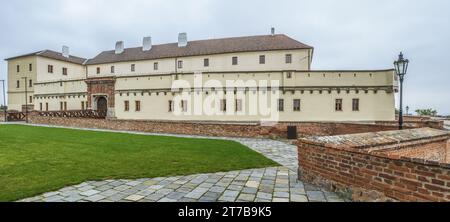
(176, 65)
(4, 101)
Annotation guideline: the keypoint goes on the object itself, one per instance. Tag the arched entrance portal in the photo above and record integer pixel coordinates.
(101, 95)
(102, 105)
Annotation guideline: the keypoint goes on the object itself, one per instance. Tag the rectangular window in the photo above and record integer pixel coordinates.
(30, 83)
(98, 70)
(205, 62)
(112, 69)
(65, 105)
(338, 105)
(262, 59)
(126, 105)
(180, 64)
(18, 84)
(280, 105)
(40, 106)
(155, 66)
(61, 106)
(223, 105)
(82, 105)
(137, 105)
(355, 104)
(46, 106)
(296, 105)
(238, 105)
(289, 75)
(64, 71)
(184, 105)
(288, 58)
(30, 67)
(234, 60)
(133, 67)
(30, 99)
(50, 69)
(18, 68)
(170, 106)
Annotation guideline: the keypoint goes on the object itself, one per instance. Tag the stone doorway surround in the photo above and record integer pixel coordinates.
(101, 87)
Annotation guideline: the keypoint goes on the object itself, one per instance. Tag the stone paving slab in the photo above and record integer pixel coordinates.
(296, 191)
(276, 184)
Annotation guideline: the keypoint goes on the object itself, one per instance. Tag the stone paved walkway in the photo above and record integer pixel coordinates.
(277, 184)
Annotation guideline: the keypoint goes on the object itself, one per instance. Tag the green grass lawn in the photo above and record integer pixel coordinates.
(34, 160)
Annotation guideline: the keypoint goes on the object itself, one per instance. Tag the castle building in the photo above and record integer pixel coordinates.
(140, 83)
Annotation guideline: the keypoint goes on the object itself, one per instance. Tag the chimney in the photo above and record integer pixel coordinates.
(119, 47)
(182, 39)
(272, 31)
(65, 51)
(147, 43)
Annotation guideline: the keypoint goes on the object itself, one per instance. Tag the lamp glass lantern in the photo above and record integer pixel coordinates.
(401, 65)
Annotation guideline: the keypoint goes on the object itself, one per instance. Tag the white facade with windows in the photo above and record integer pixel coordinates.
(143, 82)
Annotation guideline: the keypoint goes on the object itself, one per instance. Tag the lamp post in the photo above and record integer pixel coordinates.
(4, 100)
(26, 100)
(401, 66)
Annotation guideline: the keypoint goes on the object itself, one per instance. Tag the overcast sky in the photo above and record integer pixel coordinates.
(346, 34)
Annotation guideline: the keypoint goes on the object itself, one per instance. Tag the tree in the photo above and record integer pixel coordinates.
(426, 112)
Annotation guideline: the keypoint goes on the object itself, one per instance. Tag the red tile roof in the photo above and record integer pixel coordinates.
(53, 55)
(202, 47)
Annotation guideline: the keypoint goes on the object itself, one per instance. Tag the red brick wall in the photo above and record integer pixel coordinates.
(375, 176)
(448, 152)
(415, 118)
(335, 128)
(415, 123)
(211, 129)
(434, 151)
(175, 127)
(216, 128)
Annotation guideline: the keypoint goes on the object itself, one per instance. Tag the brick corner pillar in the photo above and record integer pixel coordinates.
(447, 158)
(299, 145)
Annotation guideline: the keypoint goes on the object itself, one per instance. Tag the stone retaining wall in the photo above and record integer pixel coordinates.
(408, 165)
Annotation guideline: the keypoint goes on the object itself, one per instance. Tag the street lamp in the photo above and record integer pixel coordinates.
(26, 100)
(401, 66)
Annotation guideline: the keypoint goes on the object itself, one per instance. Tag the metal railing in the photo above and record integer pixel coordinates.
(93, 114)
(12, 116)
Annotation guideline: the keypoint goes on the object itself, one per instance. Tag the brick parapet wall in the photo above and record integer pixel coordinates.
(414, 118)
(175, 127)
(371, 172)
(235, 129)
(415, 123)
(335, 128)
